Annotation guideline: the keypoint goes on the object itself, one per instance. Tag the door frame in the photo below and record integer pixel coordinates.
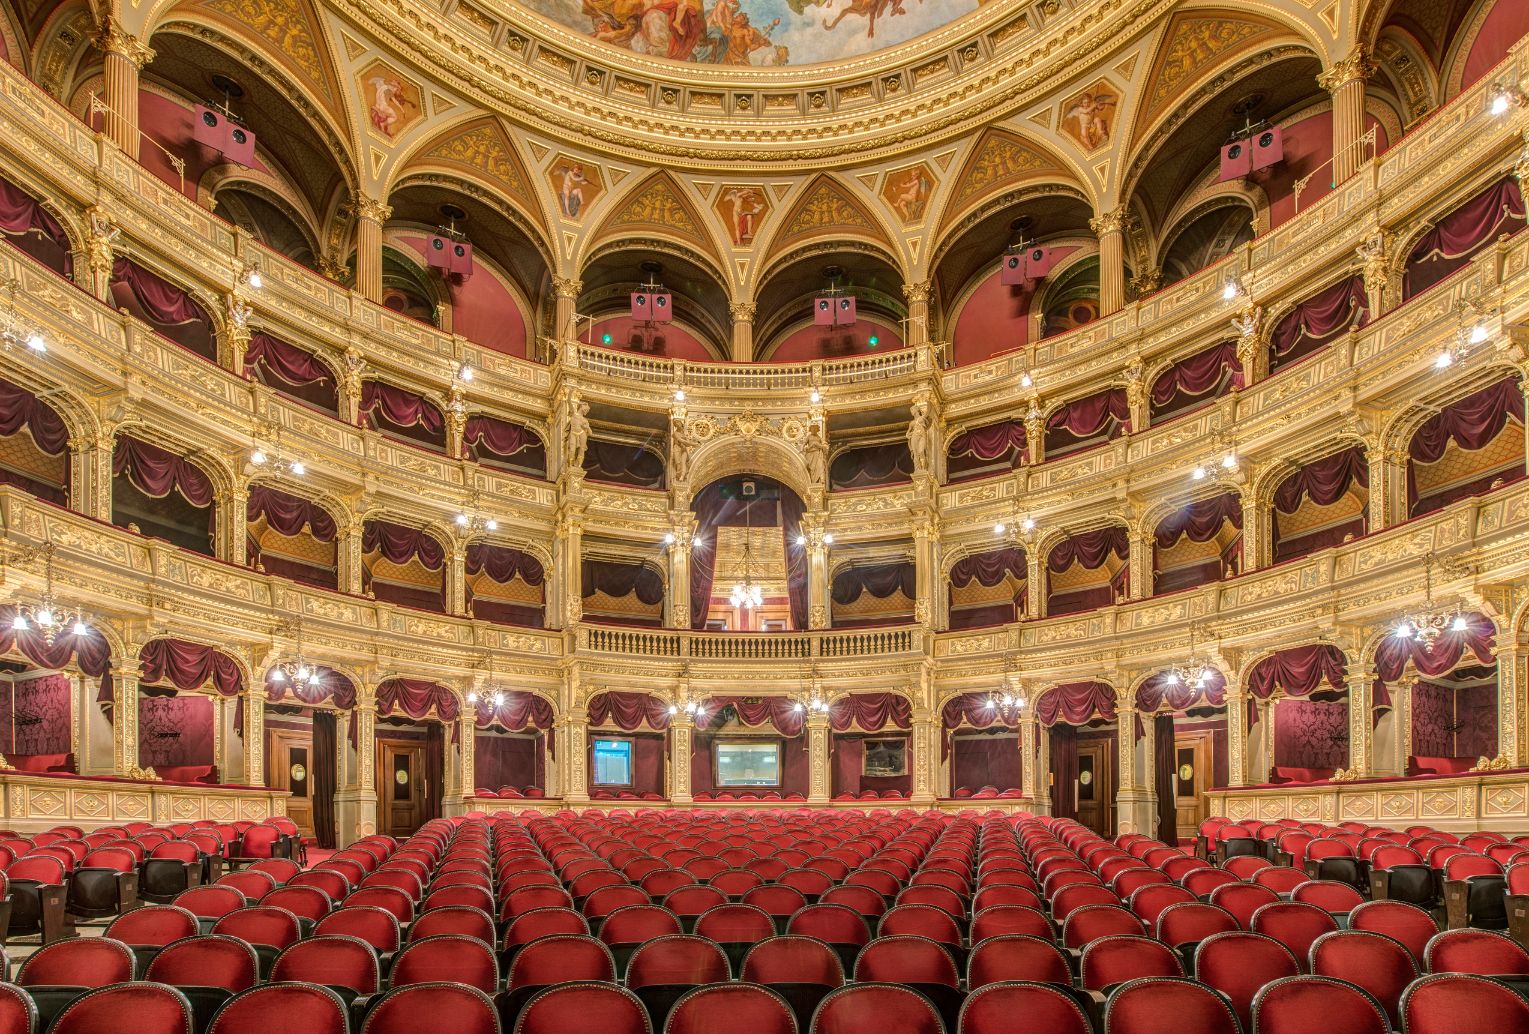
(384, 746)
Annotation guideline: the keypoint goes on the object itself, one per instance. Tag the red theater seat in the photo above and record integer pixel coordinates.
(298, 1008)
(1299, 1005)
(451, 1007)
(154, 1008)
(876, 1009)
(1161, 1005)
(1455, 1003)
(334, 961)
(1239, 964)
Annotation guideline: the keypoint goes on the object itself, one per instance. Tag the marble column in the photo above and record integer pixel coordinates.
(926, 753)
(1252, 533)
(917, 296)
(123, 58)
(1510, 700)
(94, 743)
(572, 758)
(567, 556)
(566, 307)
(820, 786)
(743, 331)
(456, 578)
(926, 569)
(1043, 771)
(233, 525)
(371, 215)
(1345, 82)
(125, 724)
(467, 735)
(1035, 582)
(356, 798)
(681, 733)
(1110, 229)
(1130, 797)
(1140, 547)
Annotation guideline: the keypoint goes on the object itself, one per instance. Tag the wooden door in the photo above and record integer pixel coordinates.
(1096, 787)
(1193, 766)
(289, 767)
(400, 786)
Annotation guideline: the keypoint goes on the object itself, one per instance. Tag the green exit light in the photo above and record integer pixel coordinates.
(874, 341)
(605, 339)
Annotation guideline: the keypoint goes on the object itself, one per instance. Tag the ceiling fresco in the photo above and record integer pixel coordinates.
(757, 33)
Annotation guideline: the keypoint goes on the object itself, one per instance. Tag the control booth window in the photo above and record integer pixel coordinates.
(613, 762)
(747, 764)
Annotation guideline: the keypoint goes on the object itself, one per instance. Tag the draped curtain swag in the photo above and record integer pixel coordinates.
(184, 665)
(1324, 481)
(990, 568)
(291, 364)
(19, 409)
(1497, 210)
(163, 302)
(1298, 671)
(1479, 638)
(20, 214)
(971, 709)
(517, 712)
(1201, 521)
(617, 580)
(499, 437)
(1471, 423)
(398, 407)
(1198, 374)
(1076, 703)
(289, 514)
(1091, 549)
(91, 653)
(992, 441)
(399, 544)
(415, 698)
(503, 564)
(886, 464)
(779, 712)
(880, 580)
(1321, 318)
(628, 711)
(157, 472)
(1088, 416)
(870, 712)
(1177, 695)
(623, 464)
(326, 684)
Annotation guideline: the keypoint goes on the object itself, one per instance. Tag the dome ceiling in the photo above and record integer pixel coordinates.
(752, 33)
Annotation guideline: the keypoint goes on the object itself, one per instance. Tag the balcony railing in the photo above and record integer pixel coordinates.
(752, 377)
(780, 646)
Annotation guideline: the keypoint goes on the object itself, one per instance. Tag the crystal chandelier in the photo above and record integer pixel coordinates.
(48, 615)
(1191, 673)
(690, 707)
(747, 593)
(1427, 625)
(497, 698)
(1008, 705)
(14, 332)
(471, 522)
(296, 672)
(272, 459)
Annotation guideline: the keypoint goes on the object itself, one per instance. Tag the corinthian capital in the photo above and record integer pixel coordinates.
(112, 38)
(1113, 221)
(916, 292)
(567, 286)
(370, 208)
(1357, 66)
(742, 312)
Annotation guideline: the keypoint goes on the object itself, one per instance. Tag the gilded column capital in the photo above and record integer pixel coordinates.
(371, 209)
(1111, 222)
(1356, 67)
(567, 286)
(111, 38)
(1147, 281)
(916, 293)
(742, 312)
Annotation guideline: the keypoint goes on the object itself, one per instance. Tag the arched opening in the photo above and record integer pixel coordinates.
(1198, 544)
(785, 331)
(1206, 238)
(32, 229)
(1319, 320)
(184, 710)
(166, 307)
(408, 288)
(979, 740)
(620, 591)
(1451, 242)
(1088, 571)
(505, 446)
(748, 546)
(291, 371)
(1086, 422)
(749, 748)
(162, 495)
(505, 585)
(271, 221)
(1186, 720)
(1324, 503)
(292, 537)
(1298, 720)
(34, 445)
(990, 449)
(628, 747)
(1473, 445)
(871, 750)
(1450, 702)
(1080, 723)
(988, 588)
(512, 744)
(874, 592)
(701, 326)
(303, 744)
(403, 565)
(1194, 381)
(403, 415)
(1071, 300)
(412, 753)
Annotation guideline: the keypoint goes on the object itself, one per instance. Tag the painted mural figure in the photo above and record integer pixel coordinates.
(1090, 116)
(570, 190)
(389, 104)
(658, 28)
(746, 205)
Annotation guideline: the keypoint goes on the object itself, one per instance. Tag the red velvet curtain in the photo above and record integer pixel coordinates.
(36, 716)
(622, 464)
(285, 361)
(1319, 319)
(871, 712)
(435, 769)
(1479, 637)
(1165, 751)
(415, 698)
(1103, 413)
(399, 544)
(325, 777)
(1179, 695)
(20, 409)
(791, 510)
(990, 568)
(720, 503)
(881, 581)
(1201, 520)
(326, 684)
(1076, 703)
(1191, 379)
(975, 710)
(33, 230)
(163, 302)
(1064, 771)
(1090, 549)
(889, 464)
(1324, 481)
(175, 730)
(156, 472)
(1471, 423)
(1298, 671)
(90, 652)
(992, 442)
(504, 564)
(504, 440)
(978, 761)
(617, 580)
(628, 711)
(1497, 210)
(289, 514)
(184, 665)
(518, 712)
(383, 404)
(783, 714)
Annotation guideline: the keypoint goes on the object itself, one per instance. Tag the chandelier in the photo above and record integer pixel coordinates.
(14, 332)
(496, 697)
(297, 672)
(1191, 673)
(1008, 705)
(272, 459)
(48, 615)
(747, 593)
(690, 707)
(472, 522)
(1427, 625)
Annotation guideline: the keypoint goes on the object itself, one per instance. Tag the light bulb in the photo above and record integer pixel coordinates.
(829, 538)
(1458, 625)
(1444, 361)
(801, 540)
(1230, 290)
(257, 457)
(1198, 474)
(1008, 701)
(45, 617)
(816, 396)
(37, 343)
(461, 520)
(498, 699)
(80, 628)
(19, 624)
(797, 707)
(990, 705)
(1500, 102)
(303, 674)
(491, 524)
(472, 698)
(1000, 528)
(673, 709)
(1478, 333)
(1027, 524)
(466, 372)
(679, 394)
(1172, 679)
(1404, 630)
(1026, 381)
(1229, 461)
(277, 675)
(299, 468)
(668, 538)
(256, 281)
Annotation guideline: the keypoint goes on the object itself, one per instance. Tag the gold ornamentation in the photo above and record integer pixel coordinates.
(1088, 116)
(484, 147)
(111, 38)
(826, 207)
(1354, 68)
(286, 25)
(1501, 763)
(147, 774)
(1001, 159)
(370, 208)
(1105, 223)
(742, 312)
(1195, 43)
